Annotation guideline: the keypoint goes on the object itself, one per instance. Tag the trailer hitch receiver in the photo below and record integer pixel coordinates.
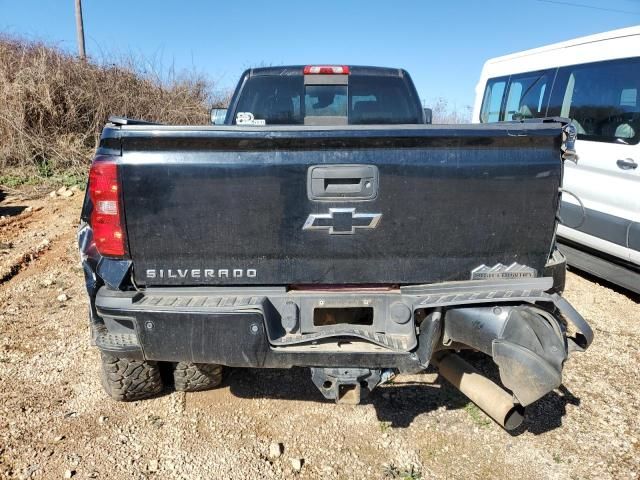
(346, 385)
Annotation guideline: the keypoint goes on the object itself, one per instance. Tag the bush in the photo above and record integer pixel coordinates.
(53, 105)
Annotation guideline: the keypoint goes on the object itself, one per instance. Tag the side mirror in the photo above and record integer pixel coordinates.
(218, 115)
(428, 116)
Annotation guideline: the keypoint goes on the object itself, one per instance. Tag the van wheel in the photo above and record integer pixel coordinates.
(126, 379)
(194, 377)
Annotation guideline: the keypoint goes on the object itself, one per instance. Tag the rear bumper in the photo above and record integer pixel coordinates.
(516, 322)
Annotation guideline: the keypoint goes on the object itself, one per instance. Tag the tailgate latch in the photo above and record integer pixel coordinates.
(569, 135)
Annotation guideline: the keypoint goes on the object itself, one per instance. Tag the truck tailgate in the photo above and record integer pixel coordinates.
(235, 206)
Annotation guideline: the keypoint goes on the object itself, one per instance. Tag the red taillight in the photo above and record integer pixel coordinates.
(326, 70)
(106, 217)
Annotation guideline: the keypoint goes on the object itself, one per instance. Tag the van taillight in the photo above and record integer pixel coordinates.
(326, 70)
(106, 217)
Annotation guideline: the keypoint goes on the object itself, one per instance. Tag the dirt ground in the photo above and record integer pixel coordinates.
(56, 422)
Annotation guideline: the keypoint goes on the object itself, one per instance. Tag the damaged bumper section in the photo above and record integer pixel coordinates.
(353, 339)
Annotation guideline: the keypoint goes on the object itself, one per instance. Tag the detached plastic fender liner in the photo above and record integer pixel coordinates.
(530, 352)
(527, 343)
(524, 372)
(493, 400)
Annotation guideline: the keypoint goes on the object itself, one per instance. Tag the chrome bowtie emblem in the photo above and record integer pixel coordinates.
(341, 221)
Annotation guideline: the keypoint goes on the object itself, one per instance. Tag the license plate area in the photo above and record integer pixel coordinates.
(330, 317)
(340, 312)
(320, 319)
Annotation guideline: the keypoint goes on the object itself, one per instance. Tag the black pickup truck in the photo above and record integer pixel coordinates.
(325, 224)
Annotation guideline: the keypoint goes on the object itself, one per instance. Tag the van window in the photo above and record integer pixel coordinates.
(492, 101)
(526, 96)
(602, 100)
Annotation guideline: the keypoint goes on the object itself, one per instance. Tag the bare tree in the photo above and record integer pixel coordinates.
(80, 30)
(443, 112)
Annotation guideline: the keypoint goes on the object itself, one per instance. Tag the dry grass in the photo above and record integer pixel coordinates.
(53, 106)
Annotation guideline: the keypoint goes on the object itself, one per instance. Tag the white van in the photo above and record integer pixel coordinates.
(595, 81)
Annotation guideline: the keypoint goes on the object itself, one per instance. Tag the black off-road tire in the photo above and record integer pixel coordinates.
(126, 380)
(195, 377)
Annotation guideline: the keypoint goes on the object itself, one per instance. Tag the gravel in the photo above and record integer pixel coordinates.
(275, 450)
(296, 464)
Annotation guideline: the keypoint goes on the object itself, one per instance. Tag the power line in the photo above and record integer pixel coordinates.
(582, 5)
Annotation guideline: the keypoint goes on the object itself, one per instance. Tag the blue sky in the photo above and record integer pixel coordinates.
(443, 44)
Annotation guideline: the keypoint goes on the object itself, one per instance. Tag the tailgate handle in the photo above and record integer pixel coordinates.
(343, 185)
(337, 182)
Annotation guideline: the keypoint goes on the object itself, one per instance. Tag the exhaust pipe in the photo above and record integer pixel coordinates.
(492, 399)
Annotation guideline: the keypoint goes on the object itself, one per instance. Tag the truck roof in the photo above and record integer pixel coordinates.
(354, 69)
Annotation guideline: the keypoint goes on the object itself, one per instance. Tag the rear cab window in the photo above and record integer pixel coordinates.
(382, 100)
(325, 100)
(357, 99)
(276, 100)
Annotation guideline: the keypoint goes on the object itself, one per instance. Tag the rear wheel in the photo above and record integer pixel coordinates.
(194, 377)
(126, 379)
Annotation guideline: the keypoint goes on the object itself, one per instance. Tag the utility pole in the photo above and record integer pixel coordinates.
(80, 30)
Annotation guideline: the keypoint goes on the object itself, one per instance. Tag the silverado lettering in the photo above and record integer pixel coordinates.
(204, 273)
